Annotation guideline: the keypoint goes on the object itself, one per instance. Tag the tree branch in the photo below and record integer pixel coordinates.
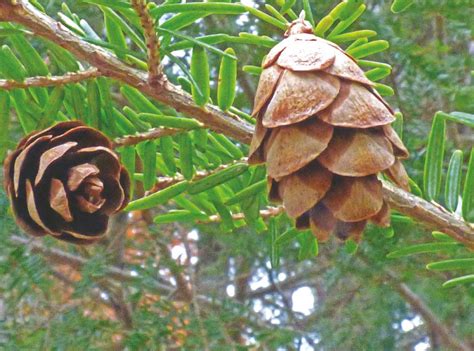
(165, 182)
(266, 213)
(419, 306)
(76, 262)
(44, 26)
(151, 134)
(429, 215)
(231, 125)
(123, 275)
(68, 78)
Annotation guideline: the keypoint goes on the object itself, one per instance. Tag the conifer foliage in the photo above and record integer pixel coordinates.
(127, 124)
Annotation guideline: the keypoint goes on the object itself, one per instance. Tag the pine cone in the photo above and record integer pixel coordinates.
(325, 134)
(66, 181)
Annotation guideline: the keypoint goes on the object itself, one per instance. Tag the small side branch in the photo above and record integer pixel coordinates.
(68, 78)
(152, 42)
(165, 182)
(266, 213)
(148, 135)
(58, 256)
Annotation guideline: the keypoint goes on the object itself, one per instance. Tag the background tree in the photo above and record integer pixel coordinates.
(206, 262)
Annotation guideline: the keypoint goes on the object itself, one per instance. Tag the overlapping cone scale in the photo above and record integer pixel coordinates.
(65, 181)
(325, 135)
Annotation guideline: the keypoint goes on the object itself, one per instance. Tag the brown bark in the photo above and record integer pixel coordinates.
(68, 78)
(429, 215)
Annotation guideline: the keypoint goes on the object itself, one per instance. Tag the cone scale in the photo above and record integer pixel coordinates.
(324, 134)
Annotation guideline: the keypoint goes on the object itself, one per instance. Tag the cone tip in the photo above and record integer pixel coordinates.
(299, 26)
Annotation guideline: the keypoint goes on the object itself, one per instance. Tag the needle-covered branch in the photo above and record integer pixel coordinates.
(429, 215)
(77, 262)
(68, 78)
(266, 213)
(165, 182)
(151, 134)
(222, 122)
(44, 26)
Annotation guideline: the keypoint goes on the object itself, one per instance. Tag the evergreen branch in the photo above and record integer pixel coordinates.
(266, 213)
(68, 78)
(165, 182)
(155, 72)
(42, 25)
(123, 275)
(151, 134)
(429, 215)
(61, 257)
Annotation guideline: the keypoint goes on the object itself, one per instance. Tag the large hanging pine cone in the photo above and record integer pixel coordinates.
(66, 181)
(324, 133)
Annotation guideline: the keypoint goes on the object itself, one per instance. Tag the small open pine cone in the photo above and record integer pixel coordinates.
(325, 134)
(66, 181)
